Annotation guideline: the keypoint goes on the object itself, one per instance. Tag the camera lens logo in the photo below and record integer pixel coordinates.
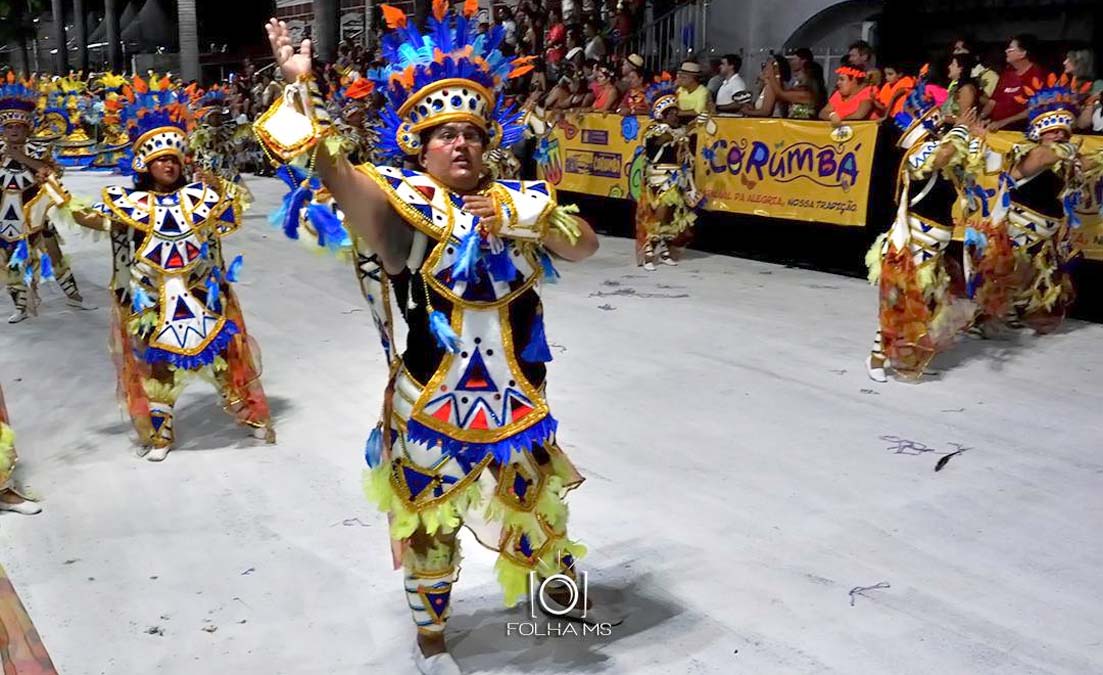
(578, 597)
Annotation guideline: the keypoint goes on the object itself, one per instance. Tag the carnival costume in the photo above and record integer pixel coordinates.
(1023, 267)
(8, 460)
(30, 248)
(175, 314)
(76, 148)
(115, 140)
(919, 314)
(668, 199)
(466, 435)
(216, 142)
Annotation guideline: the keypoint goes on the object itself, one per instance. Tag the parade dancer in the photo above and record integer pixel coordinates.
(919, 314)
(465, 424)
(1024, 268)
(175, 315)
(30, 248)
(216, 140)
(11, 498)
(669, 197)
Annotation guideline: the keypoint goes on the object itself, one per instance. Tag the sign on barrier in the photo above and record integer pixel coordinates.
(786, 169)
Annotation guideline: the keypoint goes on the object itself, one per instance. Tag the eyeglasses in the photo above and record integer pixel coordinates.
(449, 136)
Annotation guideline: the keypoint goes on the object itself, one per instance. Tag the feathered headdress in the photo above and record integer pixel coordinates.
(1053, 104)
(157, 120)
(662, 94)
(919, 116)
(449, 74)
(18, 100)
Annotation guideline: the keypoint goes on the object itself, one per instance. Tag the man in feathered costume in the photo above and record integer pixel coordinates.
(466, 436)
(175, 315)
(11, 497)
(919, 311)
(1024, 267)
(217, 139)
(30, 195)
(669, 197)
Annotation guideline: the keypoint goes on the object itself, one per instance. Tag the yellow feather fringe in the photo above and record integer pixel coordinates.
(7, 453)
(873, 259)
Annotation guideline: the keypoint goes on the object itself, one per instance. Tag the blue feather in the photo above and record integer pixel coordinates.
(139, 299)
(1072, 200)
(331, 232)
(373, 449)
(501, 265)
(551, 275)
(28, 275)
(537, 350)
(47, 270)
(212, 293)
(442, 331)
(234, 273)
(204, 251)
(20, 255)
(296, 200)
(976, 239)
(468, 256)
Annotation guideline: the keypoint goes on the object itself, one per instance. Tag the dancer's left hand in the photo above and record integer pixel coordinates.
(485, 208)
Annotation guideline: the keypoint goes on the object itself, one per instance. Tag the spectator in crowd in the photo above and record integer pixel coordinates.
(984, 77)
(634, 101)
(555, 38)
(890, 99)
(805, 93)
(860, 55)
(1002, 109)
(964, 92)
(693, 99)
(716, 80)
(595, 44)
(852, 100)
(581, 95)
(808, 74)
(559, 98)
(509, 27)
(1080, 63)
(730, 84)
(776, 70)
(606, 95)
(630, 63)
(623, 25)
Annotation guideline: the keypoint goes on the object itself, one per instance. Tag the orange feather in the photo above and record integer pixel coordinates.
(470, 7)
(394, 17)
(140, 85)
(360, 88)
(440, 9)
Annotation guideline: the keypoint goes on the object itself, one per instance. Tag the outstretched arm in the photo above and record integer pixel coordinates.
(367, 212)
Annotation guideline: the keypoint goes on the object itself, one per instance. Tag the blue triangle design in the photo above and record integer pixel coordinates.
(228, 215)
(423, 209)
(511, 184)
(415, 481)
(438, 601)
(169, 223)
(540, 187)
(182, 311)
(476, 377)
(11, 214)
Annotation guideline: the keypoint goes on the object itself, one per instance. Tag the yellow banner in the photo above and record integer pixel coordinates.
(593, 153)
(786, 169)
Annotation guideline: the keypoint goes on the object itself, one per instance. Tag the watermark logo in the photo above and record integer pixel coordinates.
(576, 609)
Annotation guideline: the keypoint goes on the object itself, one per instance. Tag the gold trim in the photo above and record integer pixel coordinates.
(418, 505)
(505, 485)
(152, 340)
(419, 96)
(270, 144)
(412, 216)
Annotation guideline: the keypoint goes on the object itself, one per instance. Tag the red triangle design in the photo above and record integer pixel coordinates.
(192, 251)
(174, 260)
(444, 413)
(518, 409)
(427, 190)
(479, 422)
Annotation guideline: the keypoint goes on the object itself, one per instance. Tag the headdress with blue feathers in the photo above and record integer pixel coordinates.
(157, 120)
(920, 115)
(1052, 104)
(18, 100)
(661, 95)
(448, 74)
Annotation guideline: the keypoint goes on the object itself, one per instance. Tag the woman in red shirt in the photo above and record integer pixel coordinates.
(852, 99)
(555, 39)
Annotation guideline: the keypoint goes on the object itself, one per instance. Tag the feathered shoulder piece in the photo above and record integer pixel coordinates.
(661, 94)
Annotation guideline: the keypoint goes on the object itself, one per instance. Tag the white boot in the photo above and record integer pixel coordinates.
(665, 257)
(265, 433)
(25, 507)
(158, 453)
(877, 374)
(437, 664)
(17, 316)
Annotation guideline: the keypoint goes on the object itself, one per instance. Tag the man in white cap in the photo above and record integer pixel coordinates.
(693, 99)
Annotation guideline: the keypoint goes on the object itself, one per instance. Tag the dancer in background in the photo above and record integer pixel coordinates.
(11, 498)
(175, 315)
(920, 310)
(30, 248)
(669, 197)
(465, 422)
